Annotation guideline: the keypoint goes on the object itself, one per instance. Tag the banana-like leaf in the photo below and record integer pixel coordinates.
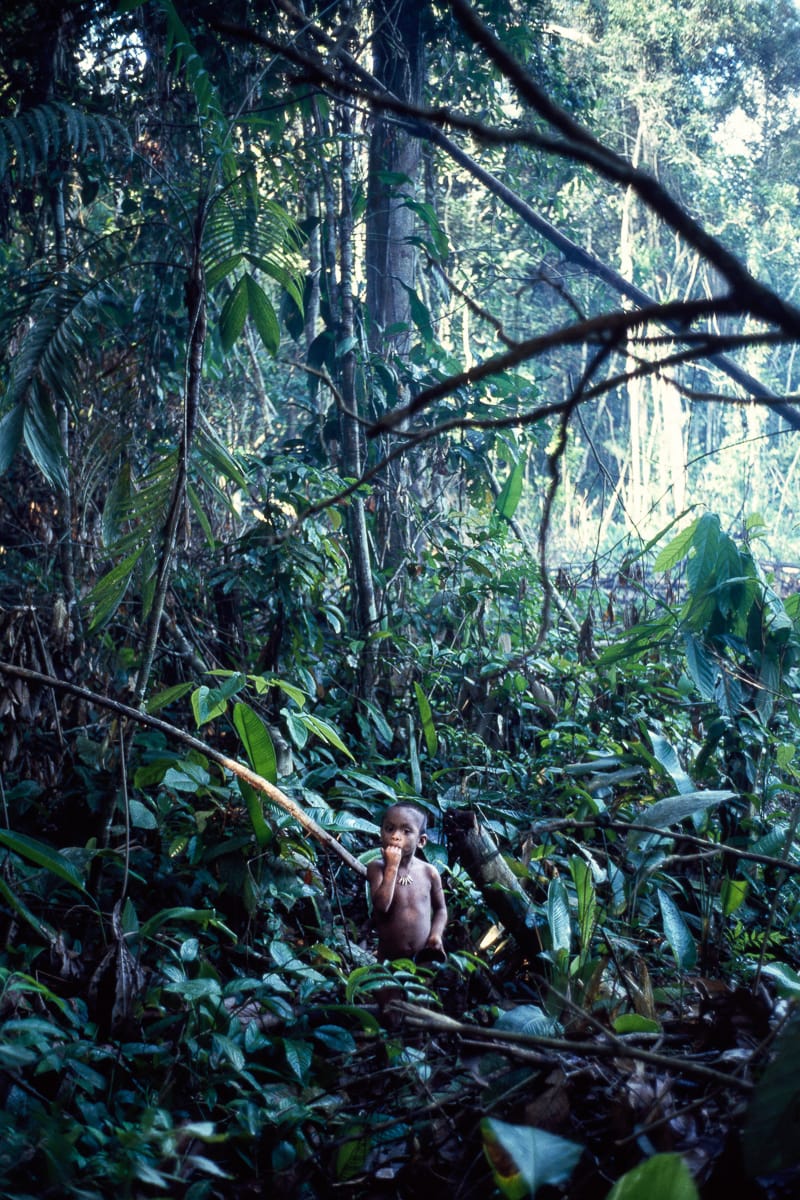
(677, 549)
(234, 314)
(262, 314)
(558, 918)
(11, 426)
(587, 898)
(426, 717)
(42, 855)
(673, 809)
(117, 508)
(511, 492)
(257, 741)
(677, 933)
(325, 731)
(665, 754)
(662, 1177)
(43, 439)
(254, 804)
(15, 902)
(769, 1137)
(107, 594)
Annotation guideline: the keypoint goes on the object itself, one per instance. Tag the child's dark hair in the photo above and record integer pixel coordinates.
(415, 808)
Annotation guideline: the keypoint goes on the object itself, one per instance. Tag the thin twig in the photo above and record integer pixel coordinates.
(766, 860)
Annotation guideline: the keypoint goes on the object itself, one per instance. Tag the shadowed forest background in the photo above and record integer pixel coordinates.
(398, 402)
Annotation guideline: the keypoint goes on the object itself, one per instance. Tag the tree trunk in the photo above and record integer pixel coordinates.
(394, 164)
(391, 258)
(364, 612)
(478, 853)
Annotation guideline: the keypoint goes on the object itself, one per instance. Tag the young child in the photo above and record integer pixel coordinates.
(408, 905)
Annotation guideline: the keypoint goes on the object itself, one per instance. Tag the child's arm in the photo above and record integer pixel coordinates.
(438, 911)
(382, 878)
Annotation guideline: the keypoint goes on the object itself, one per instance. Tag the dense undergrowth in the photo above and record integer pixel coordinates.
(190, 999)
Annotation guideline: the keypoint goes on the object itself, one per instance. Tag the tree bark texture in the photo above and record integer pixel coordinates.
(364, 608)
(395, 157)
(394, 164)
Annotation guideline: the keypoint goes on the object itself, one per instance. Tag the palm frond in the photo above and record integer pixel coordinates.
(35, 138)
(243, 228)
(53, 344)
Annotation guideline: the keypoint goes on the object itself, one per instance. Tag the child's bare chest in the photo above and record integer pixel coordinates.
(412, 891)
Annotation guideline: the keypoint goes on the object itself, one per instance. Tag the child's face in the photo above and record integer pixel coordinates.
(401, 827)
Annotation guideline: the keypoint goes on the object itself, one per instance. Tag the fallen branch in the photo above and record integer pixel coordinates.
(612, 1047)
(173, 732)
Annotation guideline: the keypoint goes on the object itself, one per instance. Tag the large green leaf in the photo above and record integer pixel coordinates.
(420, 314)
(209, 703)
(262, 314)
(198, 916)
(677, 549)
(107, 594)
(640, 639)
(287, 276)
(254, 803)
(662, 1177)
(529, 1018)
(42, 855)
(256, 741)
(702, 667)
(700, 569)
(216, 273)
(673, 809)
(263, 683)
(426, 717)
(506, 503)
(18, 905)
(523, 1159)
(677, 932)
(587, 898)
(42, 437)
(234, 314)
(117, 508)
(558, 918)
(325, 731)
(787, 981)
(665, 754)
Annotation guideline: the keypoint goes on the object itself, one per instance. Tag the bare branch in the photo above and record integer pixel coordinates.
(752, 295)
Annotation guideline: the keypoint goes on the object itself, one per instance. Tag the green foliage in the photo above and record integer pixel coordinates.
(662, 1177)
(525, 1159)
(39, 137)
(189, 1001)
